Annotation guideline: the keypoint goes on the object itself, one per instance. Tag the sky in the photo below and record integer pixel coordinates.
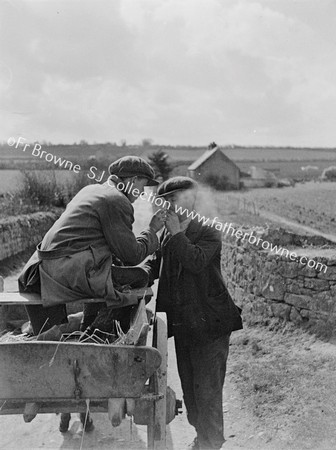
(182, 72)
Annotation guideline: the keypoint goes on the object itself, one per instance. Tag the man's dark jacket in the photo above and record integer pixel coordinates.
(191, 287)
(75, 256)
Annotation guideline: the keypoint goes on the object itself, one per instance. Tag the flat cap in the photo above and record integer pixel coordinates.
(132, 166)
(176, 184)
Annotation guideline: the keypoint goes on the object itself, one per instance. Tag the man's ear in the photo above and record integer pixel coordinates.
(130, 180)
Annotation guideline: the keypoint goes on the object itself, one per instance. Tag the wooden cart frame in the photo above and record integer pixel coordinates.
(53, 377)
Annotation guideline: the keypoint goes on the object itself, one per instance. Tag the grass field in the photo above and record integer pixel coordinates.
(285, 378)
(10, 180)
(285, 162)
(310, 204)
(37, 190)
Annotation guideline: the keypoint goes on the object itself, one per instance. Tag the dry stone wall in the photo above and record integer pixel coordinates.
(22, 232)
(266, 285)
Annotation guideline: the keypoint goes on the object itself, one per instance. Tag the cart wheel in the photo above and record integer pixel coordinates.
(156, 429)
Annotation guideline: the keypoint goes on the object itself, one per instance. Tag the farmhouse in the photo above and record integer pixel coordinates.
(214, 163)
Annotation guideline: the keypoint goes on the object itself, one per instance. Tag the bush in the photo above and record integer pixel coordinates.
(41, 191)
(329, 173)
(71, 187)
(220, 183)
(270, 183)
(44, 189)
(37, 188)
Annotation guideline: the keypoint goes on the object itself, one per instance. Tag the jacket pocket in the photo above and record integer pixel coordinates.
(222, 314)
(29, 278)
(98, 272)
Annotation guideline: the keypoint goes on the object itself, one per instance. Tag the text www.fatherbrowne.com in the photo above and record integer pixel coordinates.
(224, 228)
(251, 238)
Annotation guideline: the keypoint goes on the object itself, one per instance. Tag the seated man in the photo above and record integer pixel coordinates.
(74, 260)
(201, 314)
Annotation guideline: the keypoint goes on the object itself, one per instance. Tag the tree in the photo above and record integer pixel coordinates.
(161, 166)
(147, 142)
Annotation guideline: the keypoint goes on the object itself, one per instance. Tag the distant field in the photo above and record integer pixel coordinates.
(310, 204)
(284, 162)
(10, 180)
(78, 154)
(73, 153)
(291, 169)
(253, 154)
(282, 169)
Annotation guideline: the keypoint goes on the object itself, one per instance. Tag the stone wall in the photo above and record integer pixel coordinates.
(266, 285)
(22, 232)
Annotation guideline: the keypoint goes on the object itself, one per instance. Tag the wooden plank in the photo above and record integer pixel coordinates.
(143, 409)
(137, 334)
(139, 408)
(30, 411)
(156, 429)
(116, 410)
(62, 370)
(3, 308)
(52, 406)
(17, 298)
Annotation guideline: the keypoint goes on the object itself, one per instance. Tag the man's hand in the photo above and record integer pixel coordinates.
(173, 223)
(158, 220)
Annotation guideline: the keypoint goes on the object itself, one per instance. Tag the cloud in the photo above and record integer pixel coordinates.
(178, 71)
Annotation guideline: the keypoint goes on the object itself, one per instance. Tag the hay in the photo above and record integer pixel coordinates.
(9, 337)
(96, 337)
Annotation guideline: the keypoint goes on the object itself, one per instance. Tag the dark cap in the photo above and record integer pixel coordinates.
(176, 184)
(133, 166)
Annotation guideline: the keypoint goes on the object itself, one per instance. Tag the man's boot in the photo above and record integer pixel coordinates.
(64, 423)
(88, 426)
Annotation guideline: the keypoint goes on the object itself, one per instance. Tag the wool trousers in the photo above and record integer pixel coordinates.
(42, 319)
(202, 371)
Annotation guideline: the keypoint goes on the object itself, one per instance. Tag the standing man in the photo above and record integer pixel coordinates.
(201, 314)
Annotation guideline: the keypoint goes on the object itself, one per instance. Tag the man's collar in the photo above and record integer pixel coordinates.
(113, 182)
(185, 223)
(193, 228)
(191, 231)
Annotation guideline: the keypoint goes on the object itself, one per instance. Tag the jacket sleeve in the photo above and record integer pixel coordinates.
(195, 257)
(152, 267)
(117, 218)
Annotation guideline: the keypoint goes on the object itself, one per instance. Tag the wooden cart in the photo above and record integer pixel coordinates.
(53, 377)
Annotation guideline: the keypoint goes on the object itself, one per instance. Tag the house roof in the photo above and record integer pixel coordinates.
(206, 155)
